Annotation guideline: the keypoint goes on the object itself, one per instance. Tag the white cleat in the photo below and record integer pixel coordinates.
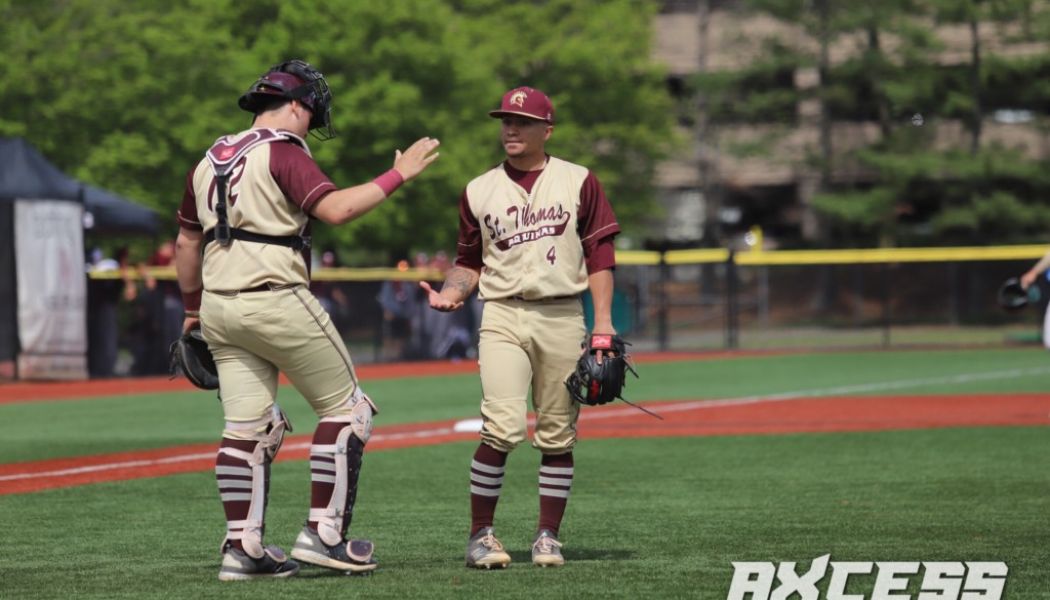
(546, 550)
(484, 551)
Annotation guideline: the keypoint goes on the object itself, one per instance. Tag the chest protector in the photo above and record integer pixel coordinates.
(223, 156)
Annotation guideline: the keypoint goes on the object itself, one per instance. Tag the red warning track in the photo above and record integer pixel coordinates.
(692, 418)
(11, 393)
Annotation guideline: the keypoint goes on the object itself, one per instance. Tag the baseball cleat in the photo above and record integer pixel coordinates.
(238, 566)
(484, 551)
(546, 550)
(352, 556)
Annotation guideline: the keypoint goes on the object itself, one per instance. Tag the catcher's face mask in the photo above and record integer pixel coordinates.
(295, 80)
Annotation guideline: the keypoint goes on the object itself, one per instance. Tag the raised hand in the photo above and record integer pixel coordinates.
(418, 157)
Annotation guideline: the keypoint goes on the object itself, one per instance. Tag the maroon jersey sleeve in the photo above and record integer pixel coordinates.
(597, 226)
(468, 246)
(602, 257)
(298, 176)
(187, 213)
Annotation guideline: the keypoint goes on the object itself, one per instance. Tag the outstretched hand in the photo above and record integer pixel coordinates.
(437, 301)
(418, 157)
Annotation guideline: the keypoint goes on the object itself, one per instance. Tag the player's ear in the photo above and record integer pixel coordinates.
(547, 132)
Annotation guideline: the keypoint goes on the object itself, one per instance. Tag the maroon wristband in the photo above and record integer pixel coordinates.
(192, 300)
(389, 181)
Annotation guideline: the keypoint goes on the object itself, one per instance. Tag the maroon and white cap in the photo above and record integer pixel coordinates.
(525, 102)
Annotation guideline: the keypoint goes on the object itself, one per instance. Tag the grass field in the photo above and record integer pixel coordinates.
(649, 517)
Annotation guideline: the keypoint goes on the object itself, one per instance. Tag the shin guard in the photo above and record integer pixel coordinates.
(242, 470)
(335, 465)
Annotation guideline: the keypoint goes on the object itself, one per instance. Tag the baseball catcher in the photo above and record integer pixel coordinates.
(243, 270)
(601, 372)
(190, 355)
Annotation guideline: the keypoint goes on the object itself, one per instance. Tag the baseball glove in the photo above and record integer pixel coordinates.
(190, 355)
(1012, 296)
(593, 383)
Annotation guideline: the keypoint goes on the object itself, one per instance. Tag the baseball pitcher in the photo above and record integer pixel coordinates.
(534, 232)
(241, 259)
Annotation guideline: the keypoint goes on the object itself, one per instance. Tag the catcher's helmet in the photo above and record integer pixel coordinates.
(294, 80)
(1012, 296)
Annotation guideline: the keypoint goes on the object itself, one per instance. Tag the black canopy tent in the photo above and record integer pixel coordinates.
(111, 214)
(25, 173)
(27, 178)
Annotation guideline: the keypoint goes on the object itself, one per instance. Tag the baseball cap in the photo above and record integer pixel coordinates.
(526, 102)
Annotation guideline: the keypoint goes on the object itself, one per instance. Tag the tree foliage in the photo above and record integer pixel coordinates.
(128, 95)
(918, 188)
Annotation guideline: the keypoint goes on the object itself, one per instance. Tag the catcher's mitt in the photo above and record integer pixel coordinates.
(1012, 296)
(190, 355)
(593, 383)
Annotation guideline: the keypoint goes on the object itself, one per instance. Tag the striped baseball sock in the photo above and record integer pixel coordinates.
(486, 481)
(322, 468)
(234, 476)
(555, 482)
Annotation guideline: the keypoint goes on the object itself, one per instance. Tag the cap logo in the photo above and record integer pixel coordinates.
(518, 98)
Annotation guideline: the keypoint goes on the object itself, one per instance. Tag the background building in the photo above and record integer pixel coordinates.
(763, 164)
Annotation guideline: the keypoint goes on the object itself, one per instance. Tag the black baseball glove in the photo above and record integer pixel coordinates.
(593, 383)
(1012, 296)
(190, 355)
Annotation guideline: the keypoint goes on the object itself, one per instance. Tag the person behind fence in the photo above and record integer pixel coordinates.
(418, 346)
(241, 259)
(1028, 279)
(103, 298)
(168, 308)
(396, 299)
(330, 293)
(145, 329)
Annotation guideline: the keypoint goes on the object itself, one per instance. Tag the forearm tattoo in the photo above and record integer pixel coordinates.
(461, 280)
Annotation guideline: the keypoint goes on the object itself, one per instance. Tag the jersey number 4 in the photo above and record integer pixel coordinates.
(551, 256)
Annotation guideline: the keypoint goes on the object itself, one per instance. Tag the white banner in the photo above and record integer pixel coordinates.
(52, 289)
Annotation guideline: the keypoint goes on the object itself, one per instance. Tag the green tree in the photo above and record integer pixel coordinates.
(927, 192)
(127, 95)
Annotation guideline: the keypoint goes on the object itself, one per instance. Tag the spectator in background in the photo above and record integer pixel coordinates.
(397, 300)
(330, 293)
(145, 327)
(169, 307)
(156, 319)
(418, 347)
(103, 298)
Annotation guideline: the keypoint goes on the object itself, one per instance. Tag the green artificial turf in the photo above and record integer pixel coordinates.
(34, 431)
(648, 518)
